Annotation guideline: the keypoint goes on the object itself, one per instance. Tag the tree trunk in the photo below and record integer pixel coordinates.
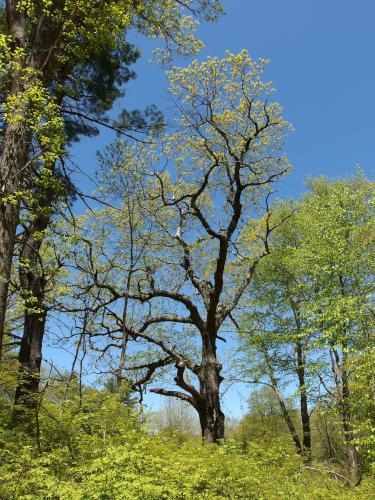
(211, 417)
(351, 455)
(30, 358)
(305, 417)
(284, 410)
(33, 292)
(300, 360)
(13, 160)
(285, 413)
(351, 458)
(14, 157)
(340, 374)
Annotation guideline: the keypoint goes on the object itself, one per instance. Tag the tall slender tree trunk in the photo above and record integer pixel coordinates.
(351, 455)
(284, 410)
(305, 417)
(341, 377)
(300, 368)
(288, 420)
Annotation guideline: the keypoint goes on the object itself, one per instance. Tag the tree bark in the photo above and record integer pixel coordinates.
(13, 160)
(30, 358)
(300, 368)
(33, 292)
(211, 417)
(305, 417)
(14, 157)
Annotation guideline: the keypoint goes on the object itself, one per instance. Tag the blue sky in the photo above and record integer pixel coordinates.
(322, 63)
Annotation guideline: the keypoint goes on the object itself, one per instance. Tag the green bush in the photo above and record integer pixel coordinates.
(153, 468)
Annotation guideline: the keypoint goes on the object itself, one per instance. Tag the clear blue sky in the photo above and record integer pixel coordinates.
(322, 62)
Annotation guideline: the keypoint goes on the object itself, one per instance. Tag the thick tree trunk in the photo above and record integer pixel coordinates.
(212, 419)
(13, 160)
(212, 422)
(33, 292)
(30, 358)
(8, 224)
(305, 417)
(14, 157)
(351, 458)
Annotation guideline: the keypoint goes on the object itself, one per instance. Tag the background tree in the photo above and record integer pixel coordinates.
(313, 296)
(274, 332)
(337, 246)
(175, 419)
(264, 420)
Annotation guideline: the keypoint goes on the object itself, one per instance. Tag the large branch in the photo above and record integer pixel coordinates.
(183, 384)
(173, 394)
(226, 310)
(180, 358)
(151, 368)
(195, 317)
(102, 123)
(201, 285)
(193, 197)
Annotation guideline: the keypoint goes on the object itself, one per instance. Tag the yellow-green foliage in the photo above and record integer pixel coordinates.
(151, 468)
(92, 446)
(362, 399)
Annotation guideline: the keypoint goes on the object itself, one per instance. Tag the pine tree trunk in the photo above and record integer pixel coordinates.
(13, 160)
(8, 224)
(30, 358)
(33, 292)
